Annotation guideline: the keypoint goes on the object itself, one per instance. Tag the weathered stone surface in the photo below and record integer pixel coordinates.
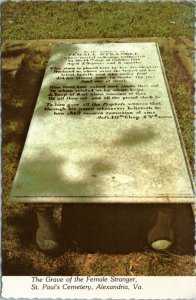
(104, 129)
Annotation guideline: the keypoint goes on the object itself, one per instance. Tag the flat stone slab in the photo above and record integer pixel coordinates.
(104, 130)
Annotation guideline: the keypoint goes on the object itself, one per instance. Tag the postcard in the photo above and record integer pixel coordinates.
(98, 192)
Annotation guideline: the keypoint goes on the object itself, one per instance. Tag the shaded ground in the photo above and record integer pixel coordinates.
(22, 70)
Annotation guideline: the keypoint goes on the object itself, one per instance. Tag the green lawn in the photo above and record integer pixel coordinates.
(39, 20)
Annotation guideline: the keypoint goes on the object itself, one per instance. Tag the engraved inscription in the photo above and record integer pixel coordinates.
(105, 85)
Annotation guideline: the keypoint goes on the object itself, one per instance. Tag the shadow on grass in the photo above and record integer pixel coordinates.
(20, 91)
(28, 223)
(15, 50)
(37, 264)
(15, 267)
(28, 259)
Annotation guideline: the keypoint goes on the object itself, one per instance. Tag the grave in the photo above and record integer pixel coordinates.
(104, 130)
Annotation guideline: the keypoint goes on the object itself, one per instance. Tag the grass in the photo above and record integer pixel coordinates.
(182, 94)
(39, 20)
(60, 20)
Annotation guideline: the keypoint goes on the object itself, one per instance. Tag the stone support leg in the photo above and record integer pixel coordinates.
(161, 236)
(47, 234)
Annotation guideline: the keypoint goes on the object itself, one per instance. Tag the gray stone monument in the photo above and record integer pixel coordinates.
(104, 130)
